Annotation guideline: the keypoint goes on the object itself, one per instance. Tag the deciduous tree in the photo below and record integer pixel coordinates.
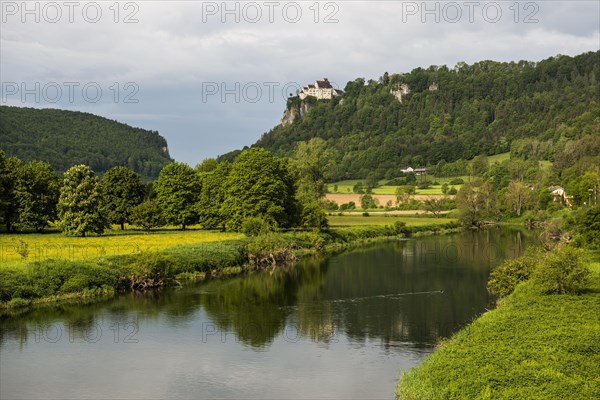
(519, 197)
(177, 190)
(260, 185)
(80, 203)
(122, 189)
(476, 203)
(212, 196)
(37, 189)
(147, 215)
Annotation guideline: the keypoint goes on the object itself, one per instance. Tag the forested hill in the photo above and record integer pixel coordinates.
(66, 138)
(484, 108)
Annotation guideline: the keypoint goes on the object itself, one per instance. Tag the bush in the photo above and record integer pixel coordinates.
(562, 272)
(151, 270)
(330, 205)
(452, 191)
(313, 216)
(457, 181)
(367, 201)
(254, 226)
(347, 206)
(51, 277)
(400, 228)
(270, 250)
(511, 272)
(396, 182)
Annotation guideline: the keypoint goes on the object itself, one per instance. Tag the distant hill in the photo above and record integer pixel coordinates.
(66, 138)
(448, 114)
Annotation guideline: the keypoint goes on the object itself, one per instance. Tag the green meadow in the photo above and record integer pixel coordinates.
(533, 346)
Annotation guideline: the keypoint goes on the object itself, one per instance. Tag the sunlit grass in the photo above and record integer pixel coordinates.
(54, 245)
(499, 158)
(534, 346)
(380, 220)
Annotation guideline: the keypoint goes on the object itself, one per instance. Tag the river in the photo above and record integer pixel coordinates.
(338, 327)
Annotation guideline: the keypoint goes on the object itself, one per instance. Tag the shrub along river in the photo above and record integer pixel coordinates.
(338, 327)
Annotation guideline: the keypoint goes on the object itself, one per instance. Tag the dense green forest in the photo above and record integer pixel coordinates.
(66, 138)
(533, 109)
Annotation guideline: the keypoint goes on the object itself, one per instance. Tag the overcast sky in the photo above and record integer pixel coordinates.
(212, 77)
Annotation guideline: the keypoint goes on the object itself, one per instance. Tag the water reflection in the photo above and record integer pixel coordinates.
(399, 298)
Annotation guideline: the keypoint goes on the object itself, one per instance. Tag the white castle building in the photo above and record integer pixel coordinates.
(321, 90)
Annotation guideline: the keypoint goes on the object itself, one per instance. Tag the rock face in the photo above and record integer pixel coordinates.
(295, 111)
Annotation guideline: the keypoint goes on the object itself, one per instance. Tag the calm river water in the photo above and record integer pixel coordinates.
(340, 327)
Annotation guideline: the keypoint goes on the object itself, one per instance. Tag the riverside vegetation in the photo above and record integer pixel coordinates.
(267, 208)
(46, 280)
(541, 342)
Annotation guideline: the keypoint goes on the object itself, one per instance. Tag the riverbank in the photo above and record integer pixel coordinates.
(57, 280)
(533, 346)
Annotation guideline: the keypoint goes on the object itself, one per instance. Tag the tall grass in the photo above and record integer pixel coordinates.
(534, 346)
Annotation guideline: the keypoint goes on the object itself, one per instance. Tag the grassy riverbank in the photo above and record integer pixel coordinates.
(533, 346)
(51, 280)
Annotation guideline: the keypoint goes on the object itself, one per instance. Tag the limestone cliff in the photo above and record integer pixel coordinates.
(295, 110)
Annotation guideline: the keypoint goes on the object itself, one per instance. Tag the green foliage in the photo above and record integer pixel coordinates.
(367, 201)
(330, 205)
(476, 203)
(456, 181)
(309, 166)
(177, 190)
(404, 193)
(147, 215)
(255, 226)
(480, 165)
(270, 250)
(66, 138)
(47, 278)
(260, 185)
(562, 271)
(207, 165)
(80, 203)
(23, 249)
(584, 188)
(479, 109)
(212, 196)
(358, 188)
(400, 228)
(424, 185)
(313, 216)
(5, 188)
(532, 347)
(122, 190)
(436, 205)
(511, 272)
(347, 206)
(9, 210)
(588, 226)
(519, 197)
(149, 270)
(37, 189)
